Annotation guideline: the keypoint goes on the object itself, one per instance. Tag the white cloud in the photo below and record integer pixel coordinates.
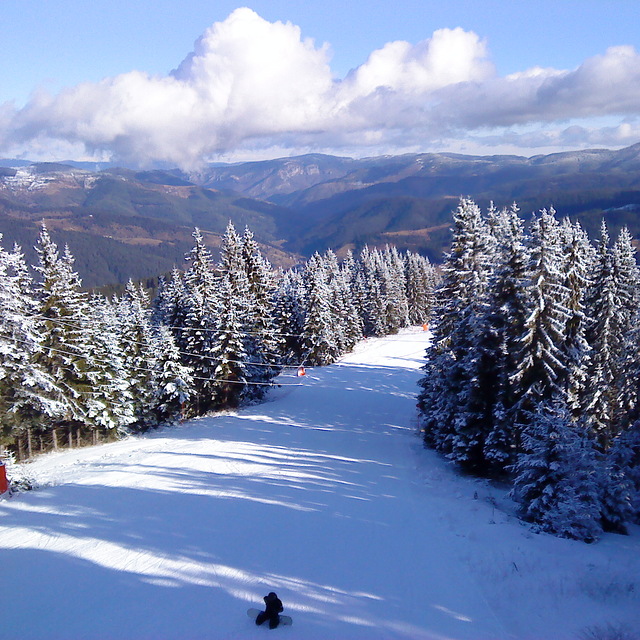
(450, 56)
(254, 85)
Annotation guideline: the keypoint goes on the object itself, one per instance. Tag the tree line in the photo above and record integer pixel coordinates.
(79, 367)
(533, 373)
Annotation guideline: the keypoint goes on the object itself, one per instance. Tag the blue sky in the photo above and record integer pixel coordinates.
(124, 80)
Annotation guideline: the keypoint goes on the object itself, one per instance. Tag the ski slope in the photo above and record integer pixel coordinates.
(323, 494)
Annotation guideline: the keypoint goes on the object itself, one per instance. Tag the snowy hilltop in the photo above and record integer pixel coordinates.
(323, 494)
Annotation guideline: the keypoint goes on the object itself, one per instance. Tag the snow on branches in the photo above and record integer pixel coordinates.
(533, 369)
(79, 368)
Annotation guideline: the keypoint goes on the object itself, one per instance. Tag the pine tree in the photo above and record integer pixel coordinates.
(434, 403)
(353, 326)
(370, 295)
(138, 349)
(169, 304)
(605, 334)
(629, 412)
(199, 276)
(628, 285)
(615, 490)
(64, 349)
(577, 269)
(629, 445)
(394, 285)
(232, 264)
(232, 367)
(110, 406)
(198, 325)
(449, 392)
(620, 481)
(358, 288)
(289, 313)
(347, 322)
(421, 284)
(28, 394)
(541, 362)
(263, 344)
(318, 336)
(554, 481)
(507, 308)
(173, 381)
(251, 287)
(628, 275)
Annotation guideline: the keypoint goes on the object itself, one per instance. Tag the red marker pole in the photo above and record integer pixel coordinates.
(4, 484)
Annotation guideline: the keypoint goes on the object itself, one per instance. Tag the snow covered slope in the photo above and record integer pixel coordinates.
(325, 495)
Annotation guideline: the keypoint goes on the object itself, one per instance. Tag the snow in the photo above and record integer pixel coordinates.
(323, 494)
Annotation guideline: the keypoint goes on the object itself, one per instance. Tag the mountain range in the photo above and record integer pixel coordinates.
(121, 223)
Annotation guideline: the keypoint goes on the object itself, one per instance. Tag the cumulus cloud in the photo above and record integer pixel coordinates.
(608, 84)
(251, 85)
(450, 56)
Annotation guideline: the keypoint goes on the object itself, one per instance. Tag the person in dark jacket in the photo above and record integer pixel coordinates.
(273, 608)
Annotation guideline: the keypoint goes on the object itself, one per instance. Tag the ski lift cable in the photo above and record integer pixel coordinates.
(81, 324)
(180, 352)
(182, 328)
(148, 370)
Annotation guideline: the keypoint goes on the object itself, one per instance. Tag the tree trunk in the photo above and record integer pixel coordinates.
(54, 433)
(29, 444)
(70, 437)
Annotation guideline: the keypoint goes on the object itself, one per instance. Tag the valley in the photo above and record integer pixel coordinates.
(123, 223)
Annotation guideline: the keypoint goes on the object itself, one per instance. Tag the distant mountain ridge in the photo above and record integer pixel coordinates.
(408, 199)
(284, 180)
(301, 204)
(122, 224)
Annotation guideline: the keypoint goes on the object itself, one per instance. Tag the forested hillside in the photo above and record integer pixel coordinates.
(126, 223)
(409, 199)
(534, 368)
(78, 368)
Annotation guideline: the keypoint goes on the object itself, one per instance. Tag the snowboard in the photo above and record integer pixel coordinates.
(285, 620)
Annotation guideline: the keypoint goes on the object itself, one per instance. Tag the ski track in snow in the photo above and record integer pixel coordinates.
(323, 494)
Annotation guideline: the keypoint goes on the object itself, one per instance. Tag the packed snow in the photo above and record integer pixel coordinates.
(323, 494)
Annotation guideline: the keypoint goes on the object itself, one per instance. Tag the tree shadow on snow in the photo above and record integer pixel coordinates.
(261, 498)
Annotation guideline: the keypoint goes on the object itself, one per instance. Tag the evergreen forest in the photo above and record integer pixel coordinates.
(78, 368)
(533, 373)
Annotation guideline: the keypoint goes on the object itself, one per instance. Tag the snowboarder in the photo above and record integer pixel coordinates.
(273, 608)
